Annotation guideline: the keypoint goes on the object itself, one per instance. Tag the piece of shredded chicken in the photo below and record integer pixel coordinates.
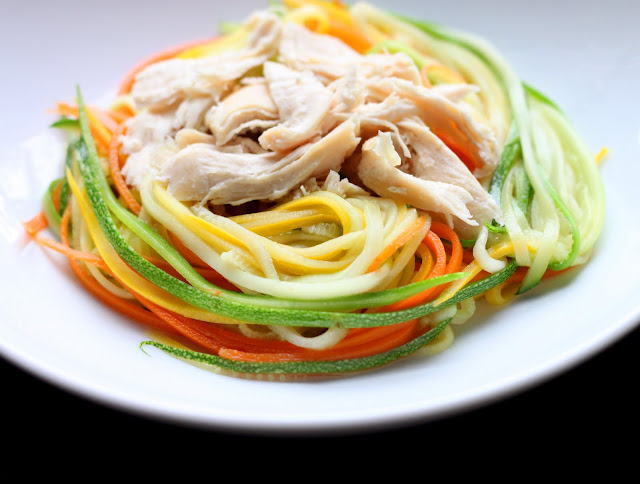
(295, 111)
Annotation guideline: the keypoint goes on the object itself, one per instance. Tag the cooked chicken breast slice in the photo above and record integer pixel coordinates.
(330, 58)
(202, 172)
(250, 108)
(433, 160)
(150, 130)
(165, 83)
(397, 65)
(378, 169)
(302, 103)
(456, 92)
(326, 56)
(473, 141)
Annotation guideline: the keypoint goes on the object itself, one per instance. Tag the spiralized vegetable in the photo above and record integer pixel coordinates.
(324, 283)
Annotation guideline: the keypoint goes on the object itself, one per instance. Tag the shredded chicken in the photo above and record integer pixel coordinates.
(378, 170)
(323, 55)
(433, 160)
(295, 111)
(162, 84)
(302, 103)
(203, 172)
(248, 109)
(473, 140)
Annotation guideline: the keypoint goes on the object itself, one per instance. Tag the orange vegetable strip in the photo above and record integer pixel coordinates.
(398, 242)
(116, 174)
(459, 151)
(445, 232)
(69, 252)
(36, 224)
(101, 134)
(405, 332)
(127, 82)
(122, 112)
(341, 24)
(467, 256)
(55, 196)
(350, 34)
(98, 118)
(238, 341)
(39, 222)
(181, 325)
(439, 268)
(120, 116)
(120, 305)
(358, 336)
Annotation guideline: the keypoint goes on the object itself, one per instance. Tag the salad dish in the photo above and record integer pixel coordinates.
(320, 190)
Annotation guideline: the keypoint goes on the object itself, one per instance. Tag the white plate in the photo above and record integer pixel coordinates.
(582, 56)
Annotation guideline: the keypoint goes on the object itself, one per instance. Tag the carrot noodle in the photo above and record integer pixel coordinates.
(118, 304)
(440, 268)
(36, 224)
(402, 333)
(398, 242)
(446, 232)
(341, 24)
(99, 121)
(108, 119)
(69, 252)
(116, 174)
(56, 196)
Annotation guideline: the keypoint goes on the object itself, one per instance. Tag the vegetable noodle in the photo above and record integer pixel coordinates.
(321, 189)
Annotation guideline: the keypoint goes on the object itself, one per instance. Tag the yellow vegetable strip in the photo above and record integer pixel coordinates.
(350, 217)
(233, 41)
(426, 263)
(277, 222)
(297, 289)
(290, 262)
(312, 17)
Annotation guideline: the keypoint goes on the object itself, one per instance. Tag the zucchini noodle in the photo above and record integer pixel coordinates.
(375, 251)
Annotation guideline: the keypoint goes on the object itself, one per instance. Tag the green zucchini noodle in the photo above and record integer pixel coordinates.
(360, 260)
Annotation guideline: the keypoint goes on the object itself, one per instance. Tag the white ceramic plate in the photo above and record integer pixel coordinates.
(584, 57)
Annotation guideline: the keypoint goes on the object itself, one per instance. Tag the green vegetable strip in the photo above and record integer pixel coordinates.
(510, 152)
(575, 232)
(65, 191)
(66, 123)
(49, 209)
(306, 367)
(523, 191)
